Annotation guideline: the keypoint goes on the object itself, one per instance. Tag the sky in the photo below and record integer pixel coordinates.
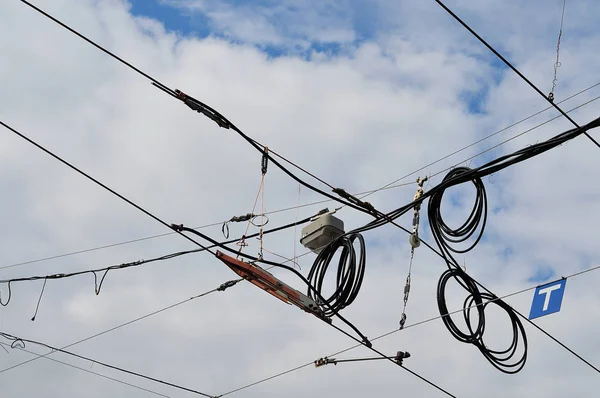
(360, 94)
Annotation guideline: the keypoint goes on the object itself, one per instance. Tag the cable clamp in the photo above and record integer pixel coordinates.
(177, 227)
(227, 285)
(366, 205)
(199, 107)
(366, 342)
(400, 356)
(324, 361)
(402, 320)
(322, 213)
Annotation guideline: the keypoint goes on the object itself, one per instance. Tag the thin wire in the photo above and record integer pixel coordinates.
(222, 287)
(37, 307)
(557, 64)
(89, 177)
(173, 233)
(296, 227)
(116, 327)
(311, 363)
(533, 86)
(91, 372)
(479, 141)
(515, 137)
(16, 339)
(300, 168)
(204, 109)
(391, 185)
(99, 248)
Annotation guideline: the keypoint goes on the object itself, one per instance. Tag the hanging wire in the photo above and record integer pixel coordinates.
(37, 307)
(557, 63)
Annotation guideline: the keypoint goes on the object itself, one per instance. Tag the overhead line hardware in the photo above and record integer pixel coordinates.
(398, 358)
(270, 284)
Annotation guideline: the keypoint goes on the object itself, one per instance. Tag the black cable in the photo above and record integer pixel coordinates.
(90, 372)
(486, 169)
(89, 177)
(507, 63)
(447, 237)
(224, 286)
(138, 263)
(200, 107)
(20, 342)
(320, 299)
(350, 273)
(500, 359)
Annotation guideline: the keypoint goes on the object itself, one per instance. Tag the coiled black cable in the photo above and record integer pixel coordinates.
(507, 360)
(448, 238)
(349, 277)
(503, 360)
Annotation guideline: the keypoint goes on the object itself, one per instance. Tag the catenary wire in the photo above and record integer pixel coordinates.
(92, 372)
(16, 341)
(511, 66)
(223, 122)
(224, 286)
(97, 182)
(391, 185)
(197, 105)
(488, 137)
(214, 115)
(394, 331)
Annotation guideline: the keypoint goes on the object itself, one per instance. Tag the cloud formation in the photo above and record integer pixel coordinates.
(404, 95)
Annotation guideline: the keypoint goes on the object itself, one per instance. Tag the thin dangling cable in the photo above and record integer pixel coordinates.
(37, 307)
(557, 64)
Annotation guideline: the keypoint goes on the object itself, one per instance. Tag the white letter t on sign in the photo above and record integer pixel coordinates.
(547, 292)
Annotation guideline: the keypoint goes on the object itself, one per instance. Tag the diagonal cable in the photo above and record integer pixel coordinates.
(511, 66)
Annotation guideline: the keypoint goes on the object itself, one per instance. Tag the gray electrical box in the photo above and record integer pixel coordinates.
(321, 232)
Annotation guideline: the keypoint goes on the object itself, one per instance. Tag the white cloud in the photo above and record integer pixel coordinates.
(358, 119)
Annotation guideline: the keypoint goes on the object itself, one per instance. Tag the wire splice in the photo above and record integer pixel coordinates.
(200, 107)
(353, 199)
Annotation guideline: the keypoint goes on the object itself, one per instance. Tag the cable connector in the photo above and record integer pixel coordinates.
(366, 205)
(324, 361)
(400, 356)
(245, 217)
(199, 107)
(177, 227)
(227, 285)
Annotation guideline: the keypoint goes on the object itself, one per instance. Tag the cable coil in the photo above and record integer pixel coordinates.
(476, 302)
(350, 273)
